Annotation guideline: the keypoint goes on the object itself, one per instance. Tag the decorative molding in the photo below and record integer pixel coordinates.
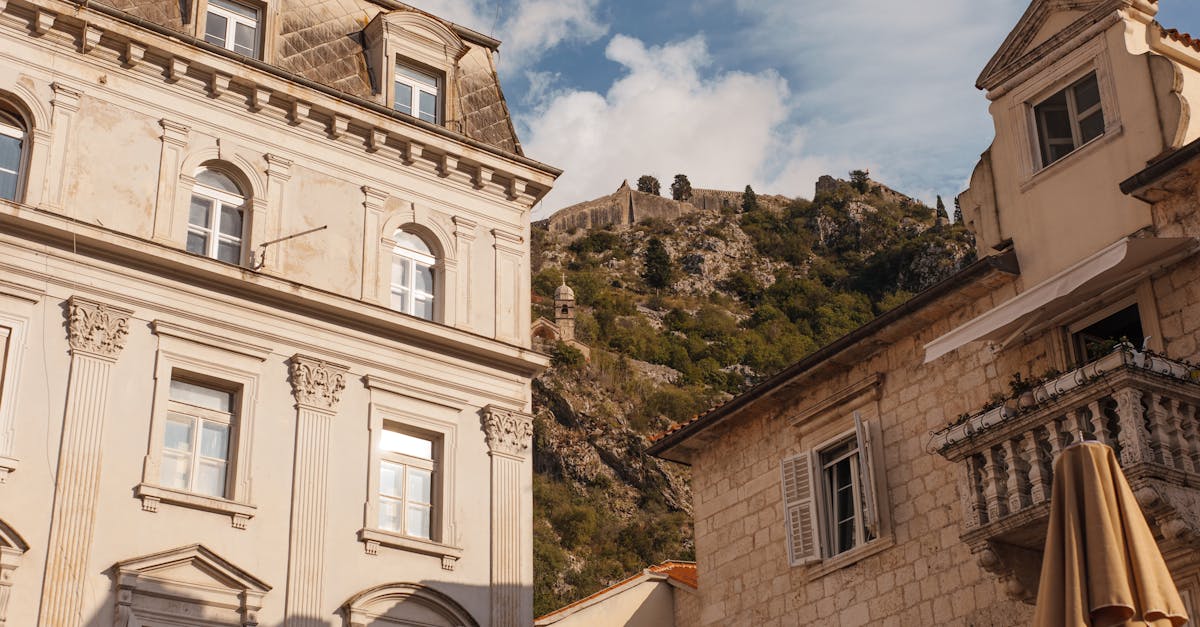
(12, 547)
(386, 604)
(372, 539)
(507, 431)
(97, 328)
(227, 592)
(316, 384)
(152, 496)
(222, 342)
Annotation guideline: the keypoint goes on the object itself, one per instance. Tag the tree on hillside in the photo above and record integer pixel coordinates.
(749, 200)
(648, 185)
(859, 180)
(681, 189)
(958, 217)
(659, 270)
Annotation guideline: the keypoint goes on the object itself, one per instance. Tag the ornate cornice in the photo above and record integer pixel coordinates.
(507, 431)
(96, 328)
(316, 384)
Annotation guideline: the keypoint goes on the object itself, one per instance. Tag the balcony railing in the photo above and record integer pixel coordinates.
(1142, 405)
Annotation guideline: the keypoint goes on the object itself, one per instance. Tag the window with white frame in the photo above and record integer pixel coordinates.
(216, 217)
(233, 26)
(1069, 119)
(830, 497)
(407, 469)
(196, 438)
(12, 154)
(412, 282)
(417, 93)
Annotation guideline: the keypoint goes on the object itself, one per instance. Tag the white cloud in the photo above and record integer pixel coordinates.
(664, 116)
(526, 28)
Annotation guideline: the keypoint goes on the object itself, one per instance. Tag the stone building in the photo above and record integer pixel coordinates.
(546, 333)
(265, 350)
(901, 475)
(663, 595)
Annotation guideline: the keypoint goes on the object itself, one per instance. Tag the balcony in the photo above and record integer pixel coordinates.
(1142, 405)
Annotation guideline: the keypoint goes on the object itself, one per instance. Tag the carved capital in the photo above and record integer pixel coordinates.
(507, 431)
(96, 328)
(317, 384)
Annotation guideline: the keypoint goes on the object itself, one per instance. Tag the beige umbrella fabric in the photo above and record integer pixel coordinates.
(1101, 566)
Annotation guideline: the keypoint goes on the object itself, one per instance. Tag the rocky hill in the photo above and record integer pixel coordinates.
(684, 306)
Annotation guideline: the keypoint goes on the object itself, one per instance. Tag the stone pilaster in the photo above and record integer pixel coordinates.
(509, 436)
(66, 105)
(317, 386)
(375, 261)
(511, 323)
(174, 143)
(97, 334)
(464, 241)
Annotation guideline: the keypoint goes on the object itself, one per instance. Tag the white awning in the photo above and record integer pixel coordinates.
(1115, 265)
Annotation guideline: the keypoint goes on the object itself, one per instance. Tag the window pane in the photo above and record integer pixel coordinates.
(418, 521)
(10, 153)
(238, 9)
(178, 433)
(1091, 127)
(1087, 94)
(396, 442)
(199, 212)
(410, 241)
(201, 396)
(420, 486)
(400, 299)
(197, 243)
(8, 185)
(400, 271)
(176, 470)
(216, 180)
(231, 221)
(418, 77)
(424, 279)
(210, 478)
(423, 309)
(229, 252)
(1055, 122)
(244, 39)
(403, 102)
(428, 107)
(214, 440)
(391, 477)
(389, 515)
(215, 29)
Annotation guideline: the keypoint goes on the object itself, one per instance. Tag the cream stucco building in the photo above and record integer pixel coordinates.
(264, 317)
(901, 475)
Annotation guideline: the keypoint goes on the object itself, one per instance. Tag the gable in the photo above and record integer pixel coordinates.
(1045, 28)
(187, 583)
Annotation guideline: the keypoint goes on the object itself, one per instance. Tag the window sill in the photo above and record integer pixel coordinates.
(152, 495)
(1048, 171)
(842, 560)
(373, 538)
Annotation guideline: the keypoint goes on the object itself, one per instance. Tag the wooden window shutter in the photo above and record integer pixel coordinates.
(867, 471)
(799, 511)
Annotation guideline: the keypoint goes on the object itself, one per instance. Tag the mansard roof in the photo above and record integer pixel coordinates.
(320, 41)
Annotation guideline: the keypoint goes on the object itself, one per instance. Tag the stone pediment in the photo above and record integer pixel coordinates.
(187, 582)
(1045, 27)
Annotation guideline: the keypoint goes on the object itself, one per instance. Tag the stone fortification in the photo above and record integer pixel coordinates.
(628, 206)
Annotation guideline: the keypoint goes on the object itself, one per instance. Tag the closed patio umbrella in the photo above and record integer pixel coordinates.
(1101, 565)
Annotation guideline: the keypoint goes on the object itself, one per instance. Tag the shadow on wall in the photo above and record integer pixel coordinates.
(173, 592)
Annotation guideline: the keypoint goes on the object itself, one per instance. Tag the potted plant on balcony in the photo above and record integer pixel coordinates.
(1022, 391)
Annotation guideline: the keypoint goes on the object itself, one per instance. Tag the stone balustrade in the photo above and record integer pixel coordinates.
(1142, 405)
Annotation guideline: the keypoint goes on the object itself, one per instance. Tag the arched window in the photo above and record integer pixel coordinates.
(12, 154)
(413, 275)
(216, 217)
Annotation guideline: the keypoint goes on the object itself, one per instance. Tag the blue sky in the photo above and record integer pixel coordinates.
(771, 93)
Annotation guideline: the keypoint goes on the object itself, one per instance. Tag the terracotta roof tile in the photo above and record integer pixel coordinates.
(1183, 38)
(683, 572)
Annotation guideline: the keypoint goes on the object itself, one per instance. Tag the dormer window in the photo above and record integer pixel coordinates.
(233, 26)
(417, 93)
(1069, 119)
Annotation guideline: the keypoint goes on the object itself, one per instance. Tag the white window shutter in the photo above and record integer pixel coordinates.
(799, 511)
(867, 469)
